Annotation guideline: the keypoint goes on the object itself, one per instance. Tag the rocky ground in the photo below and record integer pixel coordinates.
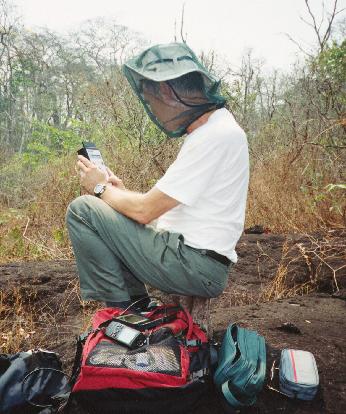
(264, 293)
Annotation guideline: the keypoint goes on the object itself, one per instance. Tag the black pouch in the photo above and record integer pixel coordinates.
(32, 382)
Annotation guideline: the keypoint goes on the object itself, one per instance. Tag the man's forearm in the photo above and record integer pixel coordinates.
(138, 206)
(126, 202)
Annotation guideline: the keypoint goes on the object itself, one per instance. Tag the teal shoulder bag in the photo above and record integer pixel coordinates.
(242, 366)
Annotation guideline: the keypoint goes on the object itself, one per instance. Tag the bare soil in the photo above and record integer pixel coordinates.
(49, 291)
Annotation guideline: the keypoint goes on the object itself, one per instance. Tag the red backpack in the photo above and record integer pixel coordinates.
(169, 372)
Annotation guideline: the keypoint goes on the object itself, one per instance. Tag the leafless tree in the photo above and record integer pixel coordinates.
(322, 27)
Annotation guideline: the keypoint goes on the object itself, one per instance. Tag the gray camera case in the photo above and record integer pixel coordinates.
(298, 374)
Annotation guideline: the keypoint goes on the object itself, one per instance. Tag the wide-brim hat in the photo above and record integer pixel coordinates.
(165, 62)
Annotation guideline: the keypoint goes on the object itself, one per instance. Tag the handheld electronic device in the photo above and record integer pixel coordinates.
(141, 323)
(157, 322)
(125, 335)
(132, 319)
(90, 151)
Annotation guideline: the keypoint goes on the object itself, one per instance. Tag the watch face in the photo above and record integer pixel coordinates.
(98, 188)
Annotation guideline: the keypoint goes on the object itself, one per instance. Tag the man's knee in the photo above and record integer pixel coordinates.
(81, 206)
(79, 203)
(76, 207)
(91, 209)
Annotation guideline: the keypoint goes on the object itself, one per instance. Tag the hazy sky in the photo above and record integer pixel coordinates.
(228, 26)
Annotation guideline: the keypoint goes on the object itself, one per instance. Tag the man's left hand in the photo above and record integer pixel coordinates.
(90, 175)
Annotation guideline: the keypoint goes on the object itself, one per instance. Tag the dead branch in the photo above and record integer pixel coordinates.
(322, 37)
(182, 25)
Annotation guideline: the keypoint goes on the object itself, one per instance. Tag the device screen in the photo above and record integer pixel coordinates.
(95, 157)
(127, 335)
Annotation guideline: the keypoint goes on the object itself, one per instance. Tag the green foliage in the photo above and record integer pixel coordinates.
(12, 244)
(10, 214)
(60, 236)
(329, 69)
(332, 196)
(23, 75)
(332, 62)
(337, 194)
(48, 142)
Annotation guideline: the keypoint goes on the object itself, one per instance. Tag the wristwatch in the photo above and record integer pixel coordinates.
(99, 190)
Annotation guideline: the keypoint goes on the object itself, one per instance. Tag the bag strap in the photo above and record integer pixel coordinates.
(189, 322)
(229, 391)
(57, 400)
(250, 346)
(4, 363)
(80, 342)
(138, 301)
(213, 354)
(81, 339)
(270, 385)
(165, 309)
(77, 359)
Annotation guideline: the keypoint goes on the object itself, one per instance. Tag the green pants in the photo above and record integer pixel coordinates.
(116, 256)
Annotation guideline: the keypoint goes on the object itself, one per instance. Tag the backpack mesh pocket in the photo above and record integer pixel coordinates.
(163, 357)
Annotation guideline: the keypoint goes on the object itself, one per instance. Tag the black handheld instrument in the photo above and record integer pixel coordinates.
(125, 335)
(90, 151)
(141, 323)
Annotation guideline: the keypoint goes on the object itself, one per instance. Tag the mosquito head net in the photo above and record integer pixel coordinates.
(174, 87)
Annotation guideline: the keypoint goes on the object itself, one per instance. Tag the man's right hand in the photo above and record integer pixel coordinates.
(114, 180)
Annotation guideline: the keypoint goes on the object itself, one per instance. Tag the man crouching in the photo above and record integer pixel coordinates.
(199, 203)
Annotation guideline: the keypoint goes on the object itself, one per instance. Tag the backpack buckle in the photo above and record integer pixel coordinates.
(193, 342)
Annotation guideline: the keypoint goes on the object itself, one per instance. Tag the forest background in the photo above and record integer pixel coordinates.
(58, 90)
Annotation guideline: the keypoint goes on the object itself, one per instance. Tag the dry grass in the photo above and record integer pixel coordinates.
(28, 322)
(18, 323)
(326, 255)
(287, 196)
(320, 261)
(36, 231)
(279, 287)
(140, 169)
(237, 297)
(276, 200)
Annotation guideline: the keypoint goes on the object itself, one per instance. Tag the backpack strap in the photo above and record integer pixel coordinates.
(189, 322)
(4, 363)
(81, 339)
(241, 382)
(80, 342)
(228, 391)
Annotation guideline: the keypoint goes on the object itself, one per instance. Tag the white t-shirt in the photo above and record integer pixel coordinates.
(210, 179)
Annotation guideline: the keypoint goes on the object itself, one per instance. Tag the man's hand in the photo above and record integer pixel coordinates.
(114, 180)
(90, 175)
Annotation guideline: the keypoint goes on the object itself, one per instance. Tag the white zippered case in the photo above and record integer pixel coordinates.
(298, 374)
